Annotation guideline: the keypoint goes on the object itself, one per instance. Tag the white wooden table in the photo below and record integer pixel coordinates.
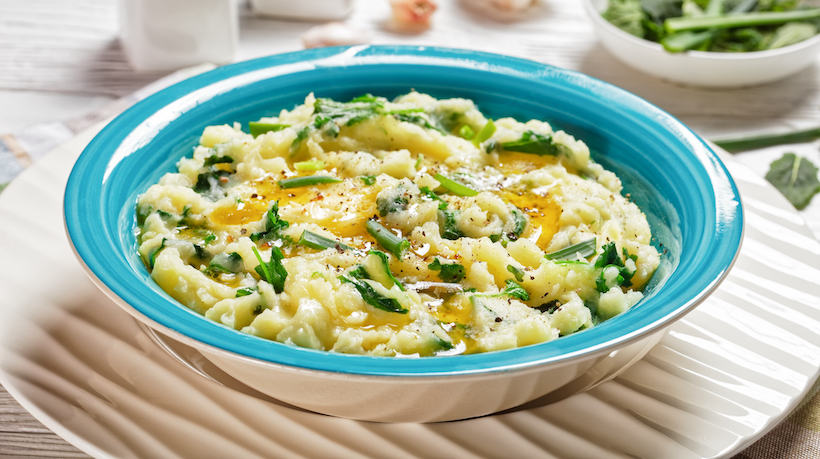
(60, 58)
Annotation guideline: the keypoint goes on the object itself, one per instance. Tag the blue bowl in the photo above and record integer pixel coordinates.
(687, 194)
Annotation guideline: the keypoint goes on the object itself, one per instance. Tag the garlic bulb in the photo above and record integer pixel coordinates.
(412, 14)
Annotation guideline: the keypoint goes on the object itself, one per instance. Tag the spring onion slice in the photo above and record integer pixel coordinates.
(319, 242)
(751, 19)
(258, 129)
(733, 145)
(586, 249)
(308, 180)
(392, 243)
(312, 165)
(484, 134)
(455, 187)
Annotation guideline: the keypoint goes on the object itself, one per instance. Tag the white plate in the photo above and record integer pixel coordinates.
(723, 376)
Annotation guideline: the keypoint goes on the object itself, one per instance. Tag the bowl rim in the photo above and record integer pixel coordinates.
(599, 20)
(94, 164)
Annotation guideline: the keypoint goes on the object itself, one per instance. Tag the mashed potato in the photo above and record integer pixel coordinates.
(411, 227)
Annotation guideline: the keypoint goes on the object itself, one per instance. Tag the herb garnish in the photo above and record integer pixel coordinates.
(448, 225)
(214, 159)
(448, 272)
(224, 263)
(585, 249)
(517, 272)
(426, 192)
(258, 129)
(308, 180)
(245, 291)
(273, 225)
(512, 289)
(614, 270)
(534, 143)
(373, 298)
(272, 272)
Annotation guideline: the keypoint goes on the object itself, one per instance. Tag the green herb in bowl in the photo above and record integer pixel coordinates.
(716, 25)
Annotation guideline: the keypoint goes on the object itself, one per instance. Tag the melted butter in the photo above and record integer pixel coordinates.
(392, 320)
(543, 215)
(458, 312)
(240, 213)
(341, 210)
(516, 162)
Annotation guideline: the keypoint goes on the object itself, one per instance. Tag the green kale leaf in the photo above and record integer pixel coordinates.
(448, 272)
(796, 178)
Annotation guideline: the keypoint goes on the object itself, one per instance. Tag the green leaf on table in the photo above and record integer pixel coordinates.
(796, 178)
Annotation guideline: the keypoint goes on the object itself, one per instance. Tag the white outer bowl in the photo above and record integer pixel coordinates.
(689, 198)
(699, 68)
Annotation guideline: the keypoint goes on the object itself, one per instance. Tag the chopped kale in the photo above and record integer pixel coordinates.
(301, 135)
(608, 256)
(348, 113)
(550, 307)
(615, 271)
(531, 142)
(394, 203)
(512, 289)
(448, 272)
(209, 237)
(448, 225)
(200, 253)
(272, 272)
(373, 298)
(359, 273)
(213, 159)
(210, 183)
(519, 225)
(385, 267)
(152, 259)
(418, 120)
(225, 263)
(245, 291)
(273, 225)
(427, 193)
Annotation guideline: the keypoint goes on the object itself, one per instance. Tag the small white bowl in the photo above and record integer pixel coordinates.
(699, 68)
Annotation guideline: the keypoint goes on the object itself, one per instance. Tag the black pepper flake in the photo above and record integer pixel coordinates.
(498, 319)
